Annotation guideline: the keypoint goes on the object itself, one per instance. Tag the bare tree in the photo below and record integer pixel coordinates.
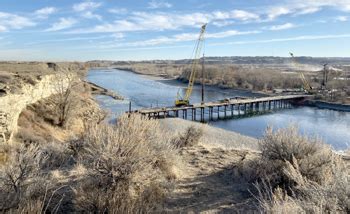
(63, 100)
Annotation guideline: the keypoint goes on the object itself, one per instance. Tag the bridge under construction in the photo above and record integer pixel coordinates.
(224, 109)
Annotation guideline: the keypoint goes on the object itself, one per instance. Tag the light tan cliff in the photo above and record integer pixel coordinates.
(12, 105)
(25, 83)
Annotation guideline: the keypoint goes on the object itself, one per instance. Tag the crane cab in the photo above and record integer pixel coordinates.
(179, 103)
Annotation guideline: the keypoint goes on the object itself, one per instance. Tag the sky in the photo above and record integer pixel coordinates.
(84, 30)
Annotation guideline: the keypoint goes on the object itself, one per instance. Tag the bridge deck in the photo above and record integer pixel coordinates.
(219, 104)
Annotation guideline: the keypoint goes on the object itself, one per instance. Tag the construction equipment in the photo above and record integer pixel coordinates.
(306, 85)
(185, 100)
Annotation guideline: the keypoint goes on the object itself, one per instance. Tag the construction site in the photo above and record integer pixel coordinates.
(313, 88)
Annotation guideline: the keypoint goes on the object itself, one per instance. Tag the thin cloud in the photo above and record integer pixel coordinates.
(158, 21)
(341, 18)
(243, 15)
(118, 36)
(88, 5)
(68, 40)
(87, 8)
(119, 11)
(184, 37)
(2, 29)
(159, 4)
(45, 12)
(91, 15)
(282, 27)
(10, 21)
(62, 24)
(223, 23)
(302, 7)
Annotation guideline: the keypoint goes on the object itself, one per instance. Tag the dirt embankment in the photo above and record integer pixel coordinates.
(220, 174)
(206, 181)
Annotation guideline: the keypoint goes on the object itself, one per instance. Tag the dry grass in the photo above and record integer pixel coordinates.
(297, 174)
(127, 168)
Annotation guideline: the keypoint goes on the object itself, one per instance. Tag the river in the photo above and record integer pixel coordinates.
(331, 126)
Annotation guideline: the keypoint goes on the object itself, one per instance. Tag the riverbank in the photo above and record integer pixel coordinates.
(175, 81)
(98, 90)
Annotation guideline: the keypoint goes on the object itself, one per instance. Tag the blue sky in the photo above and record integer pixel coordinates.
(166, 29)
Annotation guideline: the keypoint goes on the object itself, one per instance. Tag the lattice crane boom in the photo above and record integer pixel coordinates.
(180, 101)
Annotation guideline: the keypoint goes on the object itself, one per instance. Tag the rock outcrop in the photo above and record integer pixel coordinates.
(12, 105)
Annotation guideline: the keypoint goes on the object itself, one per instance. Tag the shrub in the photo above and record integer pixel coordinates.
(190, 137)
(127, 168)
(19, 177)
(124, 174)
(296, 173)
(313, 156)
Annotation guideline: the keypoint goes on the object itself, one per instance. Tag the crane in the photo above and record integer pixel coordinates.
(183, 101)
(306, 84)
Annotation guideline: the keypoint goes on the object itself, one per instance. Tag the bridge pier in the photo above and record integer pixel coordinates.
(218, 112)
(202, 114)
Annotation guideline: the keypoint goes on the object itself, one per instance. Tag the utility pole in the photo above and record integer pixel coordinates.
(203, 80)
(129, 109)
(325, 75)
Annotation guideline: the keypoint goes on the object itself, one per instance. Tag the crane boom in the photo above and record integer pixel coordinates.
(306, 84)
(194, 66)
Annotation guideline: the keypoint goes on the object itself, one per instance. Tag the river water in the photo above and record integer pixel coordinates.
(331, 126)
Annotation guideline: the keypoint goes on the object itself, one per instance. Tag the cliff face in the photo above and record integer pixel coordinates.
(12, 105)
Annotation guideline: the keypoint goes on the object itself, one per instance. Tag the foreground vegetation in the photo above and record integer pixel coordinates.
(132, 168)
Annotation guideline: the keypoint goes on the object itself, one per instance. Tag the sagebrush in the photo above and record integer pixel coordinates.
(296, 173)
(122, 168)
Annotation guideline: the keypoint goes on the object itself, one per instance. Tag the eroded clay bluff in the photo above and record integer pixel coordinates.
(22, 84)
